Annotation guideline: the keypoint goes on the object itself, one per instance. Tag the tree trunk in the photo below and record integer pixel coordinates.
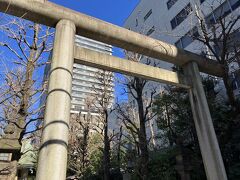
(26, 96)
(181, 161)
(143, 169)
(85, 150)
(119, 150)
(171, 135)
(27, 88)
(106, 152)
(230, 94)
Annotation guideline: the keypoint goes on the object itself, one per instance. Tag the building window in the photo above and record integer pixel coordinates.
(4, 157)
(136, 22)
(210, 19)
(222, 11)
(170, 3)
(150, 31)
(181, 16)
(234, 4)
(147, 15)
(188, 38)
(173, 23)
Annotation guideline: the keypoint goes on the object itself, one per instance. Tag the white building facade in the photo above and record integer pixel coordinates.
(85, 83)
(172, 21)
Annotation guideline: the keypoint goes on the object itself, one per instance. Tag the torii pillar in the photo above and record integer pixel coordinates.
(211, 154)
(52, 163)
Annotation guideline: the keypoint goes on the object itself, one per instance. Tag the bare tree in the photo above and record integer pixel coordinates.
(219, 33)
(26, 44)
(79, 139)
(119, 142)
(103, 100)
(90, 122)
(135, 120)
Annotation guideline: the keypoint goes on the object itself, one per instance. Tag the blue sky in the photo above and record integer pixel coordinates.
(113, 11)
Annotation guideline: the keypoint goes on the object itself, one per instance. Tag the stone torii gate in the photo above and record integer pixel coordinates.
(52, 161)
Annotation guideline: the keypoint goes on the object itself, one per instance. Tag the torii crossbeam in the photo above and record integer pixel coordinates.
(53, 151)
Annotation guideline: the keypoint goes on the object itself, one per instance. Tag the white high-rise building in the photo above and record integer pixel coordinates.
(171, 21)
(85, 78)
(85, 83)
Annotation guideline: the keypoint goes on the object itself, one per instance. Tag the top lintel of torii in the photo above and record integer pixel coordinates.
(47, 13)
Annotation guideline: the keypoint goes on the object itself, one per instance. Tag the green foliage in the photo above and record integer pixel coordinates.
(174, 115)
(96, 161)
(226, 124)
(162, 164)
(176, 122)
